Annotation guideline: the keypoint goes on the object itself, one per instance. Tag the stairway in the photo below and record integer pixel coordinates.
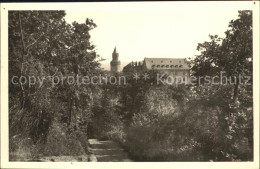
(107, 151)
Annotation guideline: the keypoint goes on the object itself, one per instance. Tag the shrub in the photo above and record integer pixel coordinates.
(63, 143)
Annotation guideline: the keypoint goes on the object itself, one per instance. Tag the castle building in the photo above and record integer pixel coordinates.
(175, 67)
(170, 66)
(115, 63)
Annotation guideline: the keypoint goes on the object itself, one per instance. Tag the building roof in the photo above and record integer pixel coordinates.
(164, 63)
(133, 65)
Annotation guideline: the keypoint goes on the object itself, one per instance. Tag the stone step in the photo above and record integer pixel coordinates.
(103, 144)
(107, 151)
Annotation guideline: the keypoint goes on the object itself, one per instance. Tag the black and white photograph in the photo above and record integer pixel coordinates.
(133, 82)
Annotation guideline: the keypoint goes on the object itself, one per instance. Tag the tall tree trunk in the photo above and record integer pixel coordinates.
(235, 94)
(70, 111)
(22, 60)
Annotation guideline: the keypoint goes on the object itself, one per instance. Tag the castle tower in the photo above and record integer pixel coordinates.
(115, 63)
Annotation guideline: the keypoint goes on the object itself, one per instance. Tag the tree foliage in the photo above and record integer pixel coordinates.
(43, 45)
(232, 54)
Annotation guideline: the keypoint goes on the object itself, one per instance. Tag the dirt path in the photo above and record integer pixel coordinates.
(107, 151)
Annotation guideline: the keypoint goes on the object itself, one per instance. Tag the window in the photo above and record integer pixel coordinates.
(167, 66)
(180, 65)
(179, 61)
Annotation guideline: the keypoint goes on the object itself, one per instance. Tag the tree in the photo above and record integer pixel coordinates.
(43, 45)
(238, 48)
(232, 54)
(31, 41)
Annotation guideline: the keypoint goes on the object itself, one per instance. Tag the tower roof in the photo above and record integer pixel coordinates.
(115, 50)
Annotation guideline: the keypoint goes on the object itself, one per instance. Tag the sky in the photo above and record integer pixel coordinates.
(154, 29)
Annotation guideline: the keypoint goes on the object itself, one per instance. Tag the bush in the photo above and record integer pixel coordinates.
(63, 143)
(210, 127)
(20, 148)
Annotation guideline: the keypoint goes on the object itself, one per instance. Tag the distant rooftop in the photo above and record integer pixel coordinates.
(166, 63)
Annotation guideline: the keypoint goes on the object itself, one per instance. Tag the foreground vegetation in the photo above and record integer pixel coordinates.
(152, 122)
